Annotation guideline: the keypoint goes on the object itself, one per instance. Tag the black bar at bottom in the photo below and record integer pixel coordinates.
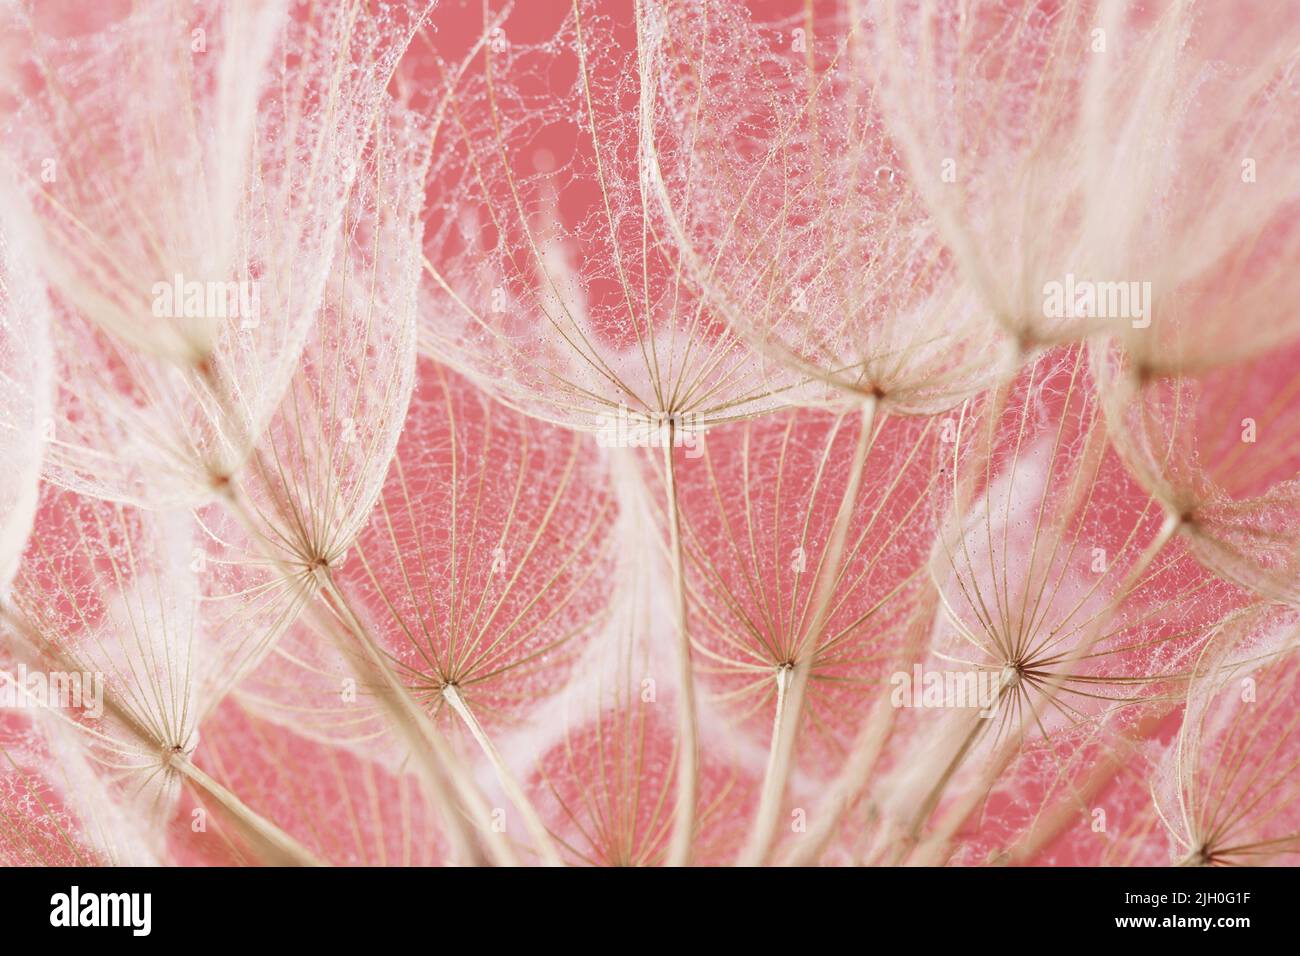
(582, 907)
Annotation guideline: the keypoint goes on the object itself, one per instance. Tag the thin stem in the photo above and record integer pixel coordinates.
(432, 753)
(935, 794)
(683, 835)
(541, 836)
(789, 714)
(830, 565)
(935, 849)
(936, 846)
(790, 687)
(276, 847)
(271, 844)
(1132, 578)
(433, 757)
(850, 782)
